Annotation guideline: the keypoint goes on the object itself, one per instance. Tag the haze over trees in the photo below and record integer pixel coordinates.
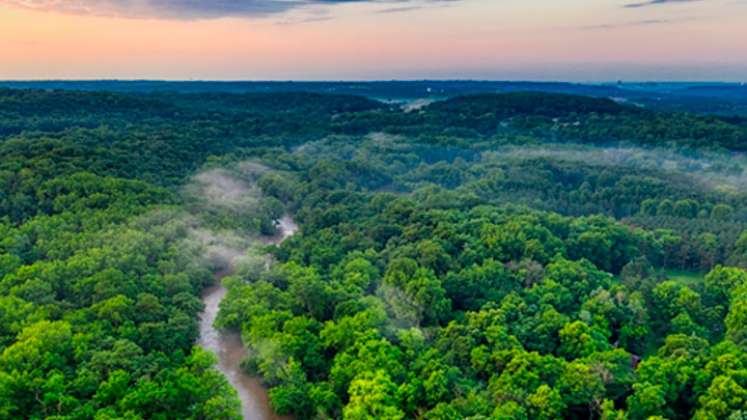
(523, 255)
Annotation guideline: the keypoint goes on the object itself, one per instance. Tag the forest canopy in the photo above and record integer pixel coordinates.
(522, 255)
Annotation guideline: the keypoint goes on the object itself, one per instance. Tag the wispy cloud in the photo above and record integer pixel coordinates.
(642, 22)
(399, 9)
(317, 17)
(189, 9)
(414, 7)
(648, 3)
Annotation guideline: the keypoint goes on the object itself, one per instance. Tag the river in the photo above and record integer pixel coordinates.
(255, 404)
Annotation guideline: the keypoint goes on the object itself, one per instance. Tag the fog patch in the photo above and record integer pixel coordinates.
(221, 249)
(221, 189)
(405, 311)
(417, 104)
(718, 171)
(224, 212)
(386, 139)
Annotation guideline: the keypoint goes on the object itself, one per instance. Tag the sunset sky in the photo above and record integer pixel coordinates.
(578, 40)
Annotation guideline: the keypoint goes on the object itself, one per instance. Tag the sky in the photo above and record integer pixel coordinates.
(573, 40)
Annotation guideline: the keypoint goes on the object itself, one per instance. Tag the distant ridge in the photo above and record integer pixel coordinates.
(727, 99)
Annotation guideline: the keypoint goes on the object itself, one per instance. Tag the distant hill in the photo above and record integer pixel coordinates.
(527, 103)
(301, 116)
(712, 98)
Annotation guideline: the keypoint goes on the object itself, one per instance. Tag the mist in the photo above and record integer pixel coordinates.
(717, 171)
(224, 189)
(224, 211)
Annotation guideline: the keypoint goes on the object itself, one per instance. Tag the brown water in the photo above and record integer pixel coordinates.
(255, 404)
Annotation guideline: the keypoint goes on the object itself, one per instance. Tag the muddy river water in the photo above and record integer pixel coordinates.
(255, 404)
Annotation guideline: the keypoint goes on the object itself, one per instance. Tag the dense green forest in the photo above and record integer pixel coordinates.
(521, 255)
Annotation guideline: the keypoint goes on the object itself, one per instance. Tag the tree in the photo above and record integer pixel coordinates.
(546, 403)
(510, 410)
(721, 282)
(415, 294)
(723, 397)
(359, 275)
(647, 401)
(476, 285)
(35, 364)
(578, 340)
(293, 395)
(648, 207)
(372, 395)
(309, 292)
(722, 211)
(581, 387)
(736, 320)
(666, 208)
(685, 208)
(580, 277)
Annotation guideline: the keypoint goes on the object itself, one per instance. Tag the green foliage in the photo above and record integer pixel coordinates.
(451, 263)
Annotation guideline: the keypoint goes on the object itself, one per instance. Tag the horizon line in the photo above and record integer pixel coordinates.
(402, 80)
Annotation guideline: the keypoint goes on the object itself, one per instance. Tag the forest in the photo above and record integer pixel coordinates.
(520, 255)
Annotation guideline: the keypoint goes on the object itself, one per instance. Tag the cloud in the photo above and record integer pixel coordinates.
(302, 20)
(399, 9)
(656, 3)
(413, 7)
(635, 23)
(185, 9)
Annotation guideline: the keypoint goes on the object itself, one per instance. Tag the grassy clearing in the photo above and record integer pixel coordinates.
(691, 279)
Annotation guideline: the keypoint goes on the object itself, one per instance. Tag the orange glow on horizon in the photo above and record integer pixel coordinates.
(467, 40)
